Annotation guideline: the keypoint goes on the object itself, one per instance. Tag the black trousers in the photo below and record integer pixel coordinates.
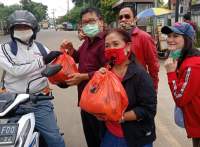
(93, 129)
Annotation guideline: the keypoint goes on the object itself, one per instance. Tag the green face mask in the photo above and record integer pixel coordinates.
(91, 30)
(175, 54)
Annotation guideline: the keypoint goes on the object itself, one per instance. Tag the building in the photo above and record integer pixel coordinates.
(196, 12)
(183, 6)
(138, 5)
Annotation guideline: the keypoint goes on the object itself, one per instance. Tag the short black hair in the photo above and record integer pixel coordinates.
(91, 10)
(131, 8)
(187, 16)
(124, 34)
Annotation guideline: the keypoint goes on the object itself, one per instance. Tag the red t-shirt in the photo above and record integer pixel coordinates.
(114, 127)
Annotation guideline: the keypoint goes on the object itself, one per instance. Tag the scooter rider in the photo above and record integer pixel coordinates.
(23, 59)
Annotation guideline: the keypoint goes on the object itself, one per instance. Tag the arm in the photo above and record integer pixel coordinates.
(185, 88)
(7, 63)
(146, 99)
(76, 78)
(151, 59)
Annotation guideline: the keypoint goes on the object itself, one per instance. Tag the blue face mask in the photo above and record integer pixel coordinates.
(91, 30)
(175, 54)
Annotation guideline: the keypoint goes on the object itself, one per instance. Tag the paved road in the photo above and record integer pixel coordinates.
(168, 134)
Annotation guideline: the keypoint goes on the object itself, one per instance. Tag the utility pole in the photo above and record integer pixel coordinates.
(177, 11)
(67, 6)
(169, 16)
(169, 4)
(156, 3)
(53, 13)
(83, 3)
(190, 8)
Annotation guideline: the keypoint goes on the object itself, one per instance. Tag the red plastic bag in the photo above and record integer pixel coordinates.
(68, 67)
(104, 97)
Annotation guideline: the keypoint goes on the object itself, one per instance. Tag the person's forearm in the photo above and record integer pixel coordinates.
(85, 76)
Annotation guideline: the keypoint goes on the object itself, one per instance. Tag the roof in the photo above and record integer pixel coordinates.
(134, 1)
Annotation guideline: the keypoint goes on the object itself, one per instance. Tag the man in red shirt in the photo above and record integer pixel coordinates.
(143, 45)
(90, 57)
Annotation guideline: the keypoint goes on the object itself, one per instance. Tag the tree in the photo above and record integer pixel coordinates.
(91, 3)
(194, 2)
(38, 9)
(160, 3)
(5, 11)
(107, 11)
(73, 16)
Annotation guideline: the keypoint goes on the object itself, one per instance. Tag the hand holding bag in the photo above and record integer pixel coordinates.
(68, 67)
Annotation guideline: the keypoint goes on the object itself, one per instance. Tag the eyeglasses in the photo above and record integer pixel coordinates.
(91, 21)
(126, 16)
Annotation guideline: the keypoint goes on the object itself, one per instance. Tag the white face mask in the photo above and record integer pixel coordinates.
(23, 35)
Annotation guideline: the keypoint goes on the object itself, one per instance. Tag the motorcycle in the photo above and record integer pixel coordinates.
(18, 130)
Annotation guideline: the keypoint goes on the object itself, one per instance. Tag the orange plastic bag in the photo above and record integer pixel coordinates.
(68, 67)
(104, 97)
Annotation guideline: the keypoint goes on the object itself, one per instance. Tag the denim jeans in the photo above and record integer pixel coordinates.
(110, 140)
(45, 123)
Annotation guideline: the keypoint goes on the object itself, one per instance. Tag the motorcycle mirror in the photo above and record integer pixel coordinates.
(51, 70)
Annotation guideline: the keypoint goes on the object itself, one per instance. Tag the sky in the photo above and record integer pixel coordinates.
(60, 6)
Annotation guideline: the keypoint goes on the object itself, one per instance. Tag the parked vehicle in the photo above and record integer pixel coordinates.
(67, 26)
(45, 24)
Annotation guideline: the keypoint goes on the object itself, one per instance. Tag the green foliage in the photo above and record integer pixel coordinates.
(5, 11)
(160, 3)
(73, 16)
(38, 9)
(91, 3)
(105, 7)
(107, 11)
(194, 2)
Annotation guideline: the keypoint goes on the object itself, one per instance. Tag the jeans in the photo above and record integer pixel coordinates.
(110, 140)
(45, 122)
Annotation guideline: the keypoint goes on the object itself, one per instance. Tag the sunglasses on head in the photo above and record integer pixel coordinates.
(126, 16)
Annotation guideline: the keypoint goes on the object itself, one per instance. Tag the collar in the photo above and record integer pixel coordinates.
(132, 69)
(99, 36)
(14, 47)
(135, 31)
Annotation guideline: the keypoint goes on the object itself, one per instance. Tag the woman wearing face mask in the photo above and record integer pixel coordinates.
(137, 127)
(183, 68)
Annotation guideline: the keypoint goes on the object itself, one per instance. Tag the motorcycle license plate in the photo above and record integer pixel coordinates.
(8, 133)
